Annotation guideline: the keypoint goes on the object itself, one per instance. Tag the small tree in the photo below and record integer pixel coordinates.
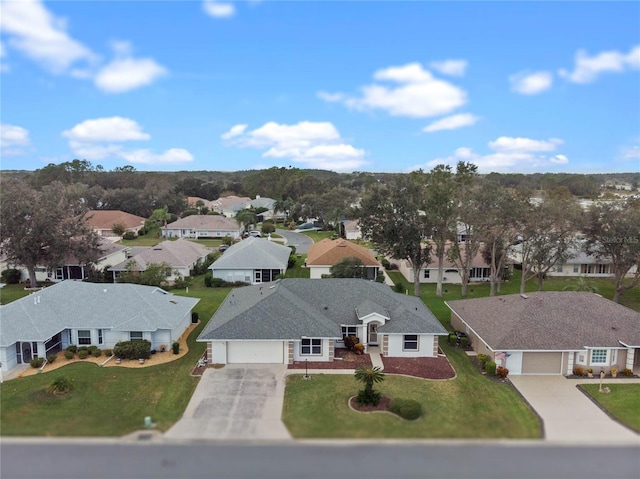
(118, 229)
(350, 267)
(369, 375)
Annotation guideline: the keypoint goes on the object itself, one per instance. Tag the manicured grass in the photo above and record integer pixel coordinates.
(298, 271)
(318, 235)
(108, 401)
(142, 241)
(623, 402)
(11, 292)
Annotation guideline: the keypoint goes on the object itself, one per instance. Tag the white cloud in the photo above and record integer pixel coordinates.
(102, 138)
(315, 144)
(115, 128)
(531, 83)
(40, 35)
(417, 95)
(126, 73)
(631, 152)
(450, 67)
(452, 122)
(330, 97)
(509, 154)
(146, 157)
(219, 9)
(13, 139)
(587, 69)
(236, 130)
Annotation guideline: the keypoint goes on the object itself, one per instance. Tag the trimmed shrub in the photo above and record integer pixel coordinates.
(365, 398)
(490, 367)
(398, 288)
(482, 359)
(385, 263)
(73, 348)
(627, 372)
(578, 371)
(96, 353)
(133, 350)
(83, 348)
(83, 353)
(208, 279)
(60, 385)
(36, 362)
(350, 342)
(217, 282)
(453, 339)
(464, 342)
(52, 358)
(358, 348)
(406, 408)
(92, 348)
(11, 276)
(129, 235)
(107, 352)
(194, 316)
(502, 372)
(175, 347)
(68, 354)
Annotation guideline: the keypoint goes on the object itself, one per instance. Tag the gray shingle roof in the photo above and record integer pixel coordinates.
(205, 222)
(549, 321)
(292, 308)
(253, 253)
(180, 253)
(74, 304)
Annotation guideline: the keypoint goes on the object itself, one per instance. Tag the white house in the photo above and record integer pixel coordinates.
(302, 319)
(84, 314)
(202, 226)
(324, 254)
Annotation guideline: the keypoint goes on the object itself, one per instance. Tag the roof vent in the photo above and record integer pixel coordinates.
(173, 301)
(524, 296)
(326, 307)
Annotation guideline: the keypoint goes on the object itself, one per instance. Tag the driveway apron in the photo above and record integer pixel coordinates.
(236, 402)
(569, 416)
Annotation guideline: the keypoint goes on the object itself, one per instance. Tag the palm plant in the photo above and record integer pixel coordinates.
(580, 284)
(369, 375)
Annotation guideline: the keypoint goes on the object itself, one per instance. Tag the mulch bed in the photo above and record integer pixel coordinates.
(349, 361)
(427, 368)
(383, 405)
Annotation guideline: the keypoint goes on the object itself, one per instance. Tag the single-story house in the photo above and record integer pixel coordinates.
(324, 254)
(202, 226)
(85, 314)
(550, 332)
(352, 230)
(229, 205)
(259, 202)
(102, 221)
(253, 260)
(301, 319)
(181, 255)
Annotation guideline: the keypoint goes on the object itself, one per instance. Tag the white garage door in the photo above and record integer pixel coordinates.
(255, 352)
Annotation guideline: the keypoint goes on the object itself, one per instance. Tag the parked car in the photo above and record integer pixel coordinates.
(255, 234)
(223, 247)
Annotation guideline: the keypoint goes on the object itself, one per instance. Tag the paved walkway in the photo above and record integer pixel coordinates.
(569, 416)
(376, 358)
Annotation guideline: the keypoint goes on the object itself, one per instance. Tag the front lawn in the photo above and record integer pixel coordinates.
(108, 401)
(317, 235)
(298, 271)
(623, 402)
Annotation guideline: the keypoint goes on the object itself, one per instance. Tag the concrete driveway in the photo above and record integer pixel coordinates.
(569, 416)
(235, 402)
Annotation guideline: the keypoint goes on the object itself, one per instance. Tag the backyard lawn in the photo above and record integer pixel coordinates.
(318, 235)
(623, 402)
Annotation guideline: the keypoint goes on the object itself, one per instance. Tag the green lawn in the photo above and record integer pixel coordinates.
(11, 292)
(318, 235)
(623, 402)
(107, 401)
(298, 271)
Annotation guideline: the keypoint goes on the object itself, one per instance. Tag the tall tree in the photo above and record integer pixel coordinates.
(393, 218)
(41, 228)
(246, 217)
(613, 232)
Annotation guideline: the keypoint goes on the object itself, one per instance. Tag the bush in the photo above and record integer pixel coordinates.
(578, 371)
(217, 282)
(68, 354)
(133, 350)
(482, 359)
(129, 235)
(175, 347)
(181, 282)
(194, 316)
(208, 279)
(358, 348)
(83, 348)
(627, 372)
(36, 362)
(365, 398)
(60, 385)
(502, 372)
(96, 353)
(453, 339)
(92, 348)
(52, 358)
(73, 348)
(406, 408)
(11, 276)
(398, 288)
(83, 353)
(464, 342)
(350, 342)
(107, 352)
(490, 367)
(385, 263)
(268, 227)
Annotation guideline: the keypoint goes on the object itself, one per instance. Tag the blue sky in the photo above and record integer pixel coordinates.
(345, 86)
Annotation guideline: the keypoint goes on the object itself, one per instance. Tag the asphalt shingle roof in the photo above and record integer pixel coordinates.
(205, 222)
(180, 253)
(75, 304)
(549, 321)
(253, 253)
(330, 252)
(291, 308)
(105, 219)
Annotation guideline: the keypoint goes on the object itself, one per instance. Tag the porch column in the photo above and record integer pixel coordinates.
(631, 354)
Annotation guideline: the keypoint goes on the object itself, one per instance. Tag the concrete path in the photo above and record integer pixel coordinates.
(235, 402)
(376, 358)
(569, 416)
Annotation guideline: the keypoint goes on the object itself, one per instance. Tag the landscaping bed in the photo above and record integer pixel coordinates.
(347, 360)
(426, 368)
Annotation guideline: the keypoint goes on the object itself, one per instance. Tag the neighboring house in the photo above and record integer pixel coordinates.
(102, 221)
(261, 202)
(110, 254)
(550, 332)
(193, 200)
(301, 319)
(181, 255)
(229, 205)
(324, 254)
(480, 271)
(253, 260)
(352, 230)
(84, 314)
(202, 226)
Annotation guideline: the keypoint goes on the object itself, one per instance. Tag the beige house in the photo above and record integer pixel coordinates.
(324, 254)
(550, 332)
(102, 221)
(202, 226)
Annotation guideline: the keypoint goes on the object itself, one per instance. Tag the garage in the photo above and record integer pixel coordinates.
(254, 352)
(542, 363)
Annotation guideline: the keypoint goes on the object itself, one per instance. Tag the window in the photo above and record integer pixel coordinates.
(426, 274)
(84, 336)
(559, 268)
(598, 356)
(311, 346)
(614, 356)
(135, 335)
(576, 268)
(349, 331)
(410, 342)
(582, 358)
(99, 336)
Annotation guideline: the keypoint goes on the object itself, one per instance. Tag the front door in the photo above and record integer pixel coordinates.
(373, 333)
(26, 353)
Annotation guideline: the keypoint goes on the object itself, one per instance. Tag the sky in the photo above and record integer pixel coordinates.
(385, 86)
